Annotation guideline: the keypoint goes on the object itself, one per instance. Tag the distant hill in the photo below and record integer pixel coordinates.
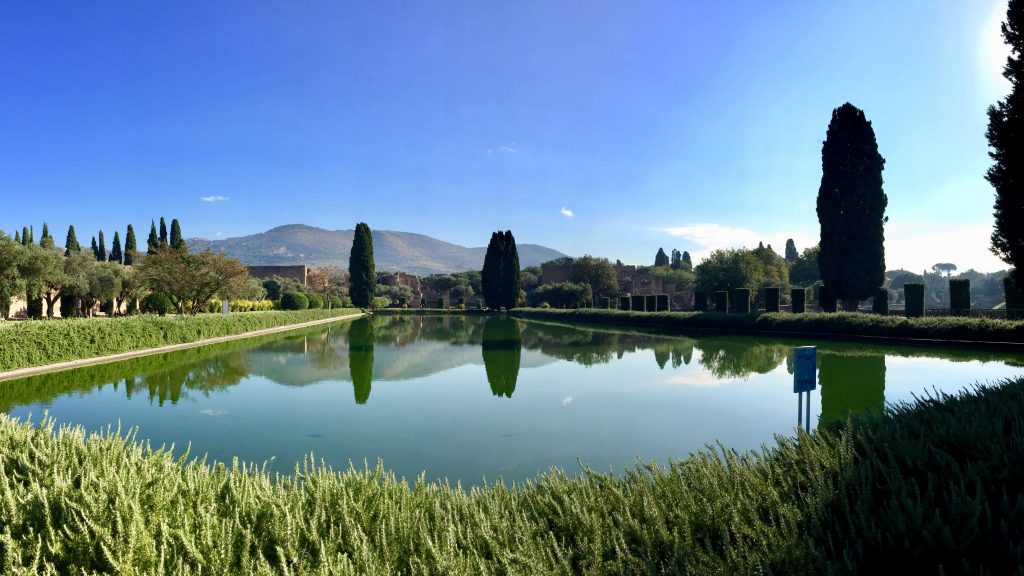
(392, 251)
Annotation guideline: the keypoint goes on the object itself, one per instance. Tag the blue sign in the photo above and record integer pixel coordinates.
(805, 376)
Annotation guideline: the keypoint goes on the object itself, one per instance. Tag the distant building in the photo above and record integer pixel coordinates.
(297, 273)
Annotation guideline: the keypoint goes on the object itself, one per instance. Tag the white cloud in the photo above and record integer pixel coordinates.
(712, 237)
(214, 198)
(509, 148)
(566, 212)
(567, 400)
(218, 234)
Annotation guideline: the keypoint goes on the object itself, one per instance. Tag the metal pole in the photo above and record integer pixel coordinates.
(799, 408)
(807, 421)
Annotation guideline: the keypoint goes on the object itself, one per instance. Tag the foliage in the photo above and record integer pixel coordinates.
(501, 278)
(1014, 297)
(11, 280)
(798, 300)
(661, 259)
(383, 302)
(728, 269)
(71, 243)
(130, 246)
(316, 302)
(625, 303)
(177, 240)
(676, 261)
(294, 301)
(361, 269)
(190, 279)
(163, 232)
(562, 294)
(771, 299)
(722, 301)
(804, 271)
(827, 298)
(683, 279)
(913, 294)
(960, 295)
(273, 288)
(400, 296)
(1006, 140)
(152, 242)
(596, 272)
(101, 248)
(741, 300)
(791, 254)
(687, 263)
(700, 301)
(115, 250)
(157, 303)
(880, 302)
(851, 207)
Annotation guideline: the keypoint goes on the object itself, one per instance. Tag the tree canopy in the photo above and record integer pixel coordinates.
(661, 259)
(598, 273)
(361, 268)
(501, 278)
(190, 279)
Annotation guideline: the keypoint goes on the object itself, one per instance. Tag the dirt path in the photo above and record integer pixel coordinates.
(34, 370)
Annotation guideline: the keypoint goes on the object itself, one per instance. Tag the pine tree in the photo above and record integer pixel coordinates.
(687, 263)
(163, 232)
(101, 249)
(511, 274)
(177, 242)
(115, 250)
(152, 243)
(851, 208)
(71, 243)
(661, 259)
(1006, 139)
(791, 253)
(129, 246)
(677, 259)
(362, 273)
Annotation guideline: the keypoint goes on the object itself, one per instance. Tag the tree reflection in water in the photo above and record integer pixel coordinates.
(360, 357)
(502, 352)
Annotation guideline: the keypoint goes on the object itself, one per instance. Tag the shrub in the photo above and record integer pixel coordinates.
(273, 288)
(722, 301)
(700, 301)
(661, 304)
(378, 302)
(771, 299)
(639, 303)
(294, 301)
(880, 303)
(157, 303)
(913, 295)
(651, 303)
(316, 301)
(440, 303)
(798, 300)
(624, 302)
(1014, 298)
(826, 299)
(741, 300)
(336, 302)
(960, 296)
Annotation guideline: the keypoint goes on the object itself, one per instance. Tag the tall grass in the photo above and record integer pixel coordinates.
(932, 487)
(41, 342)
(844, 324)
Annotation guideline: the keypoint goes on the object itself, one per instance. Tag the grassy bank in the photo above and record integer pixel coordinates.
(843, 324)
(933, 487)
(42, 342)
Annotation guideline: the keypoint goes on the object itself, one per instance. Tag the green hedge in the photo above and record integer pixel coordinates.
(316, 301)
(722, 301)
(294, 301)
(931, 487)
(913, 297)
(771, 299)
(826, 299)
(741, 300)
(960, 296)
(638, 304)
(880, 302)
(154, 303)
(651, 303)
(625, 302)
(700, 301)
(1014, 298)
(661, 303)
(37, 343)
(798, 300)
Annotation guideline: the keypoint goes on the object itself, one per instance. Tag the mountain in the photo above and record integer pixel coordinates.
(392, 251)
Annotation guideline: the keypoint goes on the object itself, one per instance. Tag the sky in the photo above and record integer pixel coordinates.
(592, 127)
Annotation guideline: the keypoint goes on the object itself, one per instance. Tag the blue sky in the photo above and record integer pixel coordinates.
(609, 128)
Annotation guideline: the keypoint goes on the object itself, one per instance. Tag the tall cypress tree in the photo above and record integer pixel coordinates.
(511, 275)
(177, 242)
(71, 243)
(1006, 139)
(101, 249)
(791, 253)
(163, 232)
(490, 276)
(46, 241)
(17, 238)
(676, 262)
(661, 259)
(115, 250)
(153, 242)
(851, 208)
(95, 249)
(362, 273)
(25, 238)
(129, 246)
(687, 263)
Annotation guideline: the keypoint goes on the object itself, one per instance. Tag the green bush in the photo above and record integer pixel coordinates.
(913, 296)
(741, 300)
(639, 303)
(624, 302)
(157, 303)
(700, 301)
(771, 299)
(826, 299)
(316, 302)
(798, 300)
(1014, 298)
(722, 301)
(651, 303)
(440, 303)
(273, 288)
(960, 296)
(294, 301)
(336, 302)
(661, 303)
(880, 303)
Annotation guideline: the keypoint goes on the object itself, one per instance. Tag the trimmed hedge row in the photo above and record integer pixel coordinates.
(841, 324)
(42, 342)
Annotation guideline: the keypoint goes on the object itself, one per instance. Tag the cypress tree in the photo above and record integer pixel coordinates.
(152, 243)
(687, 264)
(163, 232)
(129, 246)
(71, 243)
(46, 241)
(177, 242)
(363, 276)
(661, 259)
(25, 238)
(31, 234)
(115, 250)
(101, 249)
(791, 253)
(95, 249)
(1006, 139)
(490, 276)
(677, 259)
(511, 275)
(851, 208)
(17, 238)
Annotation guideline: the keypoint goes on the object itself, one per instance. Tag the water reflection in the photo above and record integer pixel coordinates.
(850, 383)
(502, 350)
(360, 357)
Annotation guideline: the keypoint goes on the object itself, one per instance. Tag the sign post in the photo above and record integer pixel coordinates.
(225, 307)
(805, 379)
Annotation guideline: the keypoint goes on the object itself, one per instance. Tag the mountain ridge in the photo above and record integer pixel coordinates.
(394, 251)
